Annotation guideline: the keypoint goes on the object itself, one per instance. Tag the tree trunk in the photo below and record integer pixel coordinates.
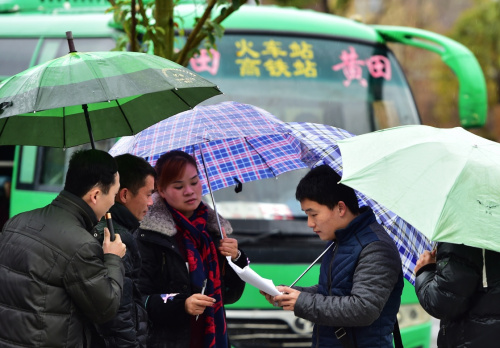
(164, 16)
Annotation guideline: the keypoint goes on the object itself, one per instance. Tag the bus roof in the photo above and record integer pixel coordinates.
(52, 5)
(20, 25)
(291, 20)
(261, 18)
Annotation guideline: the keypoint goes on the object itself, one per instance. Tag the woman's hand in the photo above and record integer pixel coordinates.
(196, 303)
(228, 246)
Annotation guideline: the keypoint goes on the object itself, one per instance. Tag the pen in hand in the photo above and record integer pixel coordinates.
(203, 293)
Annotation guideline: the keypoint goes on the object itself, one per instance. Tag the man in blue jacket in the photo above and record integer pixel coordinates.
(129, 328)
(361, 280)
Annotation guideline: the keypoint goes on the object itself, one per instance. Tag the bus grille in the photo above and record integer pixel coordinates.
(267, 328)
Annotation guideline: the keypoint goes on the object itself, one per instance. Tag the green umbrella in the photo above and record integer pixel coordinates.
(444, 182)
(87, 96)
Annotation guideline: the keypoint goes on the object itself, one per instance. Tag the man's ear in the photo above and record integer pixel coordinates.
(342, 208)
(91, 196)
(123, 195)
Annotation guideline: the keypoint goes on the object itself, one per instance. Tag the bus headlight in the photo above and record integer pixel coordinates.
(412, 314)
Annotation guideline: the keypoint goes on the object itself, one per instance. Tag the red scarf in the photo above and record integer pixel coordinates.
(203, 264)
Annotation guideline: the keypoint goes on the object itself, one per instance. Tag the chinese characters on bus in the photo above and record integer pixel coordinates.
(378, 66)
(275, 59)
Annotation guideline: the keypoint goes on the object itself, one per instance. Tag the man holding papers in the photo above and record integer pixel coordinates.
(358, 296)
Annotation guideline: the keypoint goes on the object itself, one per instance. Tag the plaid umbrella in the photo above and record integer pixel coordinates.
(232, 143)
(320, 143)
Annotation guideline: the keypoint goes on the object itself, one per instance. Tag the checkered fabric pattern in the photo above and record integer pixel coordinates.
(230, 141)
(320, 147)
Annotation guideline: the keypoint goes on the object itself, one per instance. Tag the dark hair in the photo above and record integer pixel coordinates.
(321, 185)
(171, 165)
(89, 168)
(133, 171)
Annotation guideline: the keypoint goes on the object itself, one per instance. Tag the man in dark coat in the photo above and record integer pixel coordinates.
(358, 295)
(56, 277)
(129, 328)
(460, 285)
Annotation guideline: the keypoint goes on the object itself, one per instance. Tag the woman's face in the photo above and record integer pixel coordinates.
(184, 193)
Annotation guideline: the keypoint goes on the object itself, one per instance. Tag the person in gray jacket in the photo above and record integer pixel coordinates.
(358, 295)
(56, 277)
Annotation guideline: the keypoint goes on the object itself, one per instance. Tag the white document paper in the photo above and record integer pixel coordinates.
(249, 276)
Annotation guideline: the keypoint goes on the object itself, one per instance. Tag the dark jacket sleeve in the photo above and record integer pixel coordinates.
(95, 287)
(375, 276)
(170, 312)
(445, 289)
(310, 289)
(233, 285)
(121, 331)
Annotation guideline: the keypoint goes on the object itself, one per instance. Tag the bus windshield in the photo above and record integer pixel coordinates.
(352, 85)
(356, 86)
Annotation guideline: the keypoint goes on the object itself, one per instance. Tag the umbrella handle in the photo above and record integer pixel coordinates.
(210, 189)
(312, 264)
(89, 126)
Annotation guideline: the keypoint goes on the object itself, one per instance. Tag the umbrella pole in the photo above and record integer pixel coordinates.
(312, 264)
(210, 189)
(89, 127)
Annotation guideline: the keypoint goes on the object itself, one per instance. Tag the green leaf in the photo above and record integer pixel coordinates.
(159, 30)
(218, 30)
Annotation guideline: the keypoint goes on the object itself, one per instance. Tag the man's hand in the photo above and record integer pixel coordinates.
(288, 298)
(424, 259)
(113, 247)
(269, 298)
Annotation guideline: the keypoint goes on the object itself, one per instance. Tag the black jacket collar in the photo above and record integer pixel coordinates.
(78, 207)
(124, 217)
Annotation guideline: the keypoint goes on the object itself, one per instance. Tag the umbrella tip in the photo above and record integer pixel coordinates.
(69, 37)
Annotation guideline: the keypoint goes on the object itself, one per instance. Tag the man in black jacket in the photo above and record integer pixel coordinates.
(128, 329)
(56, 277)
(460, 285)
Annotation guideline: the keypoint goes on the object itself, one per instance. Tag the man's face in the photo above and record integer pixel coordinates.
(106, 201)
(139, 203)
(323, 220)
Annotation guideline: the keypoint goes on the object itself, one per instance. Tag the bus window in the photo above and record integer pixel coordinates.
(57, 47)
(351, 85)
(28, 164)
(44, 168)
(54, 166)
(16, 55)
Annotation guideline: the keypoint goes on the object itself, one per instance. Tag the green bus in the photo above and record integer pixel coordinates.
(300, 65)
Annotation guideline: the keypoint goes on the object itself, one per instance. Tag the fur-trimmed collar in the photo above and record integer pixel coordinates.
(159, 219)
